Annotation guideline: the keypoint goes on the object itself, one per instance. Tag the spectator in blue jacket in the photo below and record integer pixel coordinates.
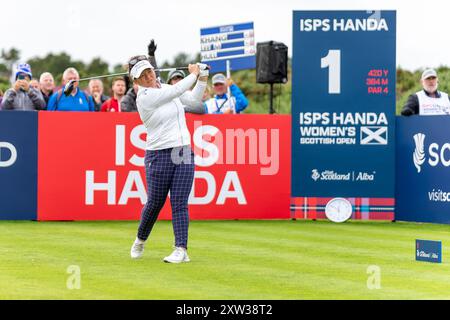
(221, 103)
(77, 101)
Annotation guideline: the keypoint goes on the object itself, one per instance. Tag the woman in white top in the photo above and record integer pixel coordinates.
(169, 160)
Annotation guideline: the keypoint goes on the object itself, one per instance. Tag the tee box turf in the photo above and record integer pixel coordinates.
(429, 251)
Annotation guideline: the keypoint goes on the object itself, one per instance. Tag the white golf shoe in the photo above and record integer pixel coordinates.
(179, 255)
(137, 249)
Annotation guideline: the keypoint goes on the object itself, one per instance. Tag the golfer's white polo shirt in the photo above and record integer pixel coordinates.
(162, 112)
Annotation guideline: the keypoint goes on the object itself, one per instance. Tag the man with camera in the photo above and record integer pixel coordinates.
(22, 96)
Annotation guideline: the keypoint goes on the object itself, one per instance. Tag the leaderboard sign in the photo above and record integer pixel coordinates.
(343, 104)
(235, 43)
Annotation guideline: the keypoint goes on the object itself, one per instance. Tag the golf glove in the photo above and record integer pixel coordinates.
(204, 69)
(151, 48)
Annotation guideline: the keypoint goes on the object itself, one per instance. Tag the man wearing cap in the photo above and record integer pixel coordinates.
(22, 96)
(169, 160)
(221, 103)
(428, 101)
(174, 77)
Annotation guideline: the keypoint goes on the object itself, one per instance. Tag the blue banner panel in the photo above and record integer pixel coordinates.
(18, 165)
(343, 104)
(429, 251)
(423, 169)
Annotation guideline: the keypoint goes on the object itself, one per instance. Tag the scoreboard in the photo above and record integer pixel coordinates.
(235, 43)
(343, 104)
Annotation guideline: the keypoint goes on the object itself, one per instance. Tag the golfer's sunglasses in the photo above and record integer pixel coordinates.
(135, 60)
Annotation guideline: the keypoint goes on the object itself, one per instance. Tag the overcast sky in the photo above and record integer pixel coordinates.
(116, 30)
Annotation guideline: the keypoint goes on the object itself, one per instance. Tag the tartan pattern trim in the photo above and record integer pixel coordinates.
(363, 208)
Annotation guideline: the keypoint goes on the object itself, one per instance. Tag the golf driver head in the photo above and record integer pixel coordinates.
(68, 88)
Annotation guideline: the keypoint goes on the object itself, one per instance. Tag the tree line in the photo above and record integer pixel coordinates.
(258, 94)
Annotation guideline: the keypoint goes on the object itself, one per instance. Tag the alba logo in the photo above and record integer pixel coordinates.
(419, 153)
(12, 154)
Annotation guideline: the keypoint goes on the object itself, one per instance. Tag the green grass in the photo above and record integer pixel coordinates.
(230, 260)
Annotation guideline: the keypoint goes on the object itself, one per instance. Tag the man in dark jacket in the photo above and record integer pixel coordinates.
(128, 103)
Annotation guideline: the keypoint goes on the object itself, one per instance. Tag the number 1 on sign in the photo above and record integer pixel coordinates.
(332, 61)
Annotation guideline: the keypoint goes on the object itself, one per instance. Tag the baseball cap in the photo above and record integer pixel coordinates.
(175, 73)
(219, 78)
(24, 68)
(429, 73)
(139, 67)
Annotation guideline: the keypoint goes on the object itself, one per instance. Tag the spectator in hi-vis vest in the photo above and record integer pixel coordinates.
(221, 102)
(428, 101)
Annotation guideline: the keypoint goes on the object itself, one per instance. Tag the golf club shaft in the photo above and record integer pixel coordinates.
(126, 73)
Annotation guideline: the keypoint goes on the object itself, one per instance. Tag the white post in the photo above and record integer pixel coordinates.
(228, 88)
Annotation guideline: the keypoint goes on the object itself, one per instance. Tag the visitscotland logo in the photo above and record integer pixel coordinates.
(315, 175)
(419, 153)
(329, 175)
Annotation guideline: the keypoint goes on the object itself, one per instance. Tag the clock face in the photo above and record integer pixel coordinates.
(339, 210)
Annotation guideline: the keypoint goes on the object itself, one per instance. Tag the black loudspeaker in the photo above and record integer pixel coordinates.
(271, 62)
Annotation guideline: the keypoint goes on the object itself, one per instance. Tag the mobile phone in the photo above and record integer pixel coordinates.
(21, 77)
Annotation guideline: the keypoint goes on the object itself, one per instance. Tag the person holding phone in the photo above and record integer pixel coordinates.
(22, 96)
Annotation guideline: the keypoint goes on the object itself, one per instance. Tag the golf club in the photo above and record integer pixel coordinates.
(68, 88)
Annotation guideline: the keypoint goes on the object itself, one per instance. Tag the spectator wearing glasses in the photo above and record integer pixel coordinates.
(22, 96)
(223, 104)
(428, 101)
(78, 100)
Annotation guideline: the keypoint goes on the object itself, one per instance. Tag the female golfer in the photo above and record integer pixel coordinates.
(169, 160)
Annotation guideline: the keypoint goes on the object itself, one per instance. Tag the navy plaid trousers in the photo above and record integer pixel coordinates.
(168, 170)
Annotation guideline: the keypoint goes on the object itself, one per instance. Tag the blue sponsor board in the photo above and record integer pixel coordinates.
(423, 169)
(18, 165)
(429, 251)
(235, 43)
(343, 103)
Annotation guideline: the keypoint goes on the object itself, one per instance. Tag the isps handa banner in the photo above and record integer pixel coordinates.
(423, 169)
(18, 164)
(343, 111)
(91, 167)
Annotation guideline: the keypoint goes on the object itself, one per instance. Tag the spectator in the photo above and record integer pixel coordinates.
(206, 94)
(35, 84)
(1, 97)
(175, 76)
(96, 91)
(47, 85)
(221, 103)
(428, 101)
(22, 96)
(118, 90)
(128, 103)
(78, 100)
